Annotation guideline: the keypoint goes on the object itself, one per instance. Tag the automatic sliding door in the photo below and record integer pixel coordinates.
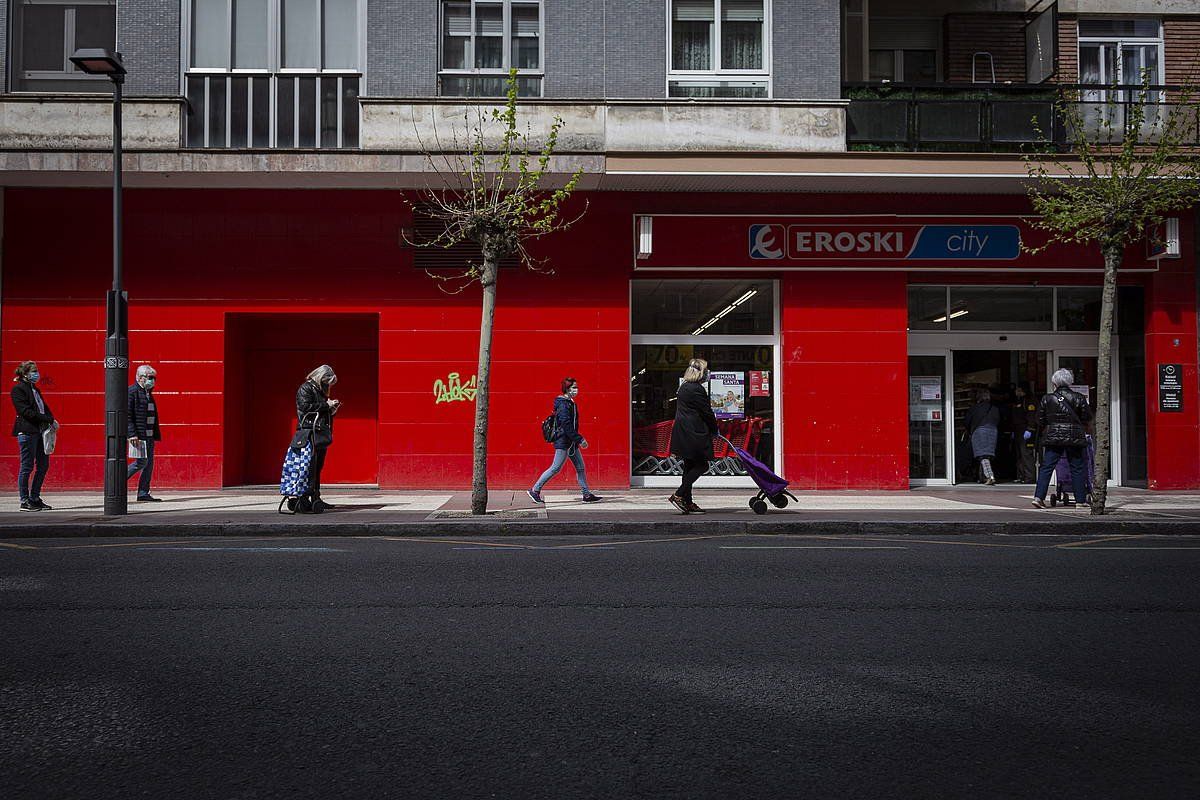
(927, 418)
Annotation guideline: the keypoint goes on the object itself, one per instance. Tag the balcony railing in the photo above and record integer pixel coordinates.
(264, 110)
(995, 117)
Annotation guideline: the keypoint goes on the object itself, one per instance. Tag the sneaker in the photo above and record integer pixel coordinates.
(27, 505)
(41, 504)
(535, 496)
(695, 509)
(592, 498)
(148, 499)
(1039, 503)
(679, 503)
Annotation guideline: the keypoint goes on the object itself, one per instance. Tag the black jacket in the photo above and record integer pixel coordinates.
(1024, 415)
(1061, 417)
(982, 415)
(29, 419)
(139, 406)
(311, 400)
(566, 414)
(695, 423)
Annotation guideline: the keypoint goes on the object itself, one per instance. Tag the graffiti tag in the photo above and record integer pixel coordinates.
(453, 390)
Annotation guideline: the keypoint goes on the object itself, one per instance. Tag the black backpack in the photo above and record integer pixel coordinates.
(550, 428)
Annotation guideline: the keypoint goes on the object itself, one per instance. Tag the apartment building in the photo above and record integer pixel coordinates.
(823, 199)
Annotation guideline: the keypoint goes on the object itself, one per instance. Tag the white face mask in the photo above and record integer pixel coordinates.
(148, 382)
(574, 390)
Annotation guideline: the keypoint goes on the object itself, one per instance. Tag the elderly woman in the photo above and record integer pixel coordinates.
(1061, 417)
(983, 426)
(315, 410)
(693, 432)
(34, 417)
(144, 430)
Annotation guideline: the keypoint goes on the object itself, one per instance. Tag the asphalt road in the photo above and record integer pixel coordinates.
(738, 667)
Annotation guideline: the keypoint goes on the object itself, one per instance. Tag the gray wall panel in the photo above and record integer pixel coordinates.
(637, 44)
(806, 49)
(574, 48)
(4, 65)
(148, 36)
(402, 48)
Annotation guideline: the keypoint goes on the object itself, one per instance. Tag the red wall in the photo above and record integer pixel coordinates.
(197, 258)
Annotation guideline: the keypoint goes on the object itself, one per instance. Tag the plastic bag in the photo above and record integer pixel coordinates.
(50, 437)
(137, 450)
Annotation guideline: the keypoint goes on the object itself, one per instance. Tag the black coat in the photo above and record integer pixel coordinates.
(29, 419)
(567, 416)
(1061, 416)
(695, 423)
(139, 407)
(311, 400)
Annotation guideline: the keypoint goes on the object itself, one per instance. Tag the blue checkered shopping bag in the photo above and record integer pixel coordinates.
(294, 482)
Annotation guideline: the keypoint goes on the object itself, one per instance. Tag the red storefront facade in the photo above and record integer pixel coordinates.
(236, 294)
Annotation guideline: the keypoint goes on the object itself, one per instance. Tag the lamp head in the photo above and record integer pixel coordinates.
(99, 61)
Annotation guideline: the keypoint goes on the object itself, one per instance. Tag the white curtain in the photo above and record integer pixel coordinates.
(691, 35)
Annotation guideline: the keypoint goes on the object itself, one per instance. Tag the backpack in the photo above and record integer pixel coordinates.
(550, 428)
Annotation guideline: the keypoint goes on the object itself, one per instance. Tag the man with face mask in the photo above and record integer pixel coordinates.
(144, 429)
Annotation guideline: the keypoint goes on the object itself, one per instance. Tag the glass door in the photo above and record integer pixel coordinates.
(1084, 366)
(928, 462)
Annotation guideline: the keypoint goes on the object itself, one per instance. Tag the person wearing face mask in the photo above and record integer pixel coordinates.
(144, 429)
(315, 410)
(34, 417)
(568, 443)
(693, 432)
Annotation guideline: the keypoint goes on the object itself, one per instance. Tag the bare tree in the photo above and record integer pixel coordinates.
(492, 195)
(1129, 160)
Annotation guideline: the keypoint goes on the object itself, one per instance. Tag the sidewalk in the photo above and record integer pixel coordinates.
(941, 511)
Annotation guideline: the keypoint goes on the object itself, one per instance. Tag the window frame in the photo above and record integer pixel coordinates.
(274, 45)
(719, 74)
(506, 46)
(16, 47)
(1120, 42)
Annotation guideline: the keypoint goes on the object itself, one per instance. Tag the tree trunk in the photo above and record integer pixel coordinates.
(479, 489)
(1102, 410)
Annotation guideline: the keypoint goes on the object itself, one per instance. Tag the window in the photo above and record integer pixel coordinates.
(904, 49)
(904, 66)
(718, 48)
(482, 41)
(1003, 308)
(274, 73)
(45, 34)
(1113, 51)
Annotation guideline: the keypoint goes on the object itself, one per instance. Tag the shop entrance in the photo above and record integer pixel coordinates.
(266, 359)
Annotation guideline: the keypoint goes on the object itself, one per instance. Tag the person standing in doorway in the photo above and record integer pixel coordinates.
(693, 432)
(315, 410)
(983, 426)
(143, 429)
(1024, 428)
(1061, 418)
(34, 418)
(568, 443)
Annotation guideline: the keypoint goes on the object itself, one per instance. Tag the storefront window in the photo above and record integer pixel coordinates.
(704, 308)
(1078, 309)
(1001, 308)
(927, 308)
(731, 324)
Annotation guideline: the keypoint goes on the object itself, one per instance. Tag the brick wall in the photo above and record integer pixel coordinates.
(1002, 35)
(148, 37)
(1181, 44)
(3, 47)
(636, 50)
(575, 50)
(806, 49)
(1068, 51)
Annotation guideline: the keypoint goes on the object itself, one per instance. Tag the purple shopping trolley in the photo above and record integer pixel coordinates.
(771, 488)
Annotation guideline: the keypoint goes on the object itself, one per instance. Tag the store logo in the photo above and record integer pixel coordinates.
(453, 390)
(767, 241)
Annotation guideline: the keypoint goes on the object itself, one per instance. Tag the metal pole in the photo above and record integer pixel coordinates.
(116, 345)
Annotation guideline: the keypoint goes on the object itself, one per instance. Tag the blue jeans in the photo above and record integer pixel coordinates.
(560, 458)
(33, 453)
(1050, 458)
(146, 466)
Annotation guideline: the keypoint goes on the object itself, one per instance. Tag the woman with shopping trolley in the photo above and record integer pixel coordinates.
(692, 435)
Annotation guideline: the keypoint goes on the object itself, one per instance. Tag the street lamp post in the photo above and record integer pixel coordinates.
(98, 61)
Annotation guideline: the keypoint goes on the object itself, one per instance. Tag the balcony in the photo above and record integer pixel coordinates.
(992, 117)
(272, 110)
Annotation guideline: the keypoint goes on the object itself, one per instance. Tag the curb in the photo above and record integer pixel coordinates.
(830, 527)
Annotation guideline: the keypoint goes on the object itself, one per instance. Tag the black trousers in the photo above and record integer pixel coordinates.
(314, 471)
(693, 468)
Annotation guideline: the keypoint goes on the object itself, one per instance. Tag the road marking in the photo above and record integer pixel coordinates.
(261, 549)
(1118, 547)
(812, 547)
(426, 540)
(907, 540)
(642, 541)
(1097, 541)
(18, 546)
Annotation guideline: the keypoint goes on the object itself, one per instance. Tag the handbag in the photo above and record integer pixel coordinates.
(318, 432)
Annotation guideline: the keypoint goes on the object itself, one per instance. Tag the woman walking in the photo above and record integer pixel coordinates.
(34, 417)
(315, 410)
(693, 432)
(983, 426)
(568, 442)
